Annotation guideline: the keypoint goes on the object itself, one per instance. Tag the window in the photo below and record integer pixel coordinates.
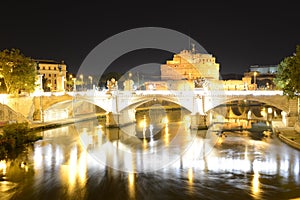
(49, 68)
(54, 68)
(43, 68)
(54, 75)
(49, 75)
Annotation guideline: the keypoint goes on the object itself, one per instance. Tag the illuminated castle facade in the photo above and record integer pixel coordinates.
(189, 65)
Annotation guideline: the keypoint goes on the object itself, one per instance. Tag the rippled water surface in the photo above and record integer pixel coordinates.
(87, 161)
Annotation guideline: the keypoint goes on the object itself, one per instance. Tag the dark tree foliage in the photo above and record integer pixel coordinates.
(18, 71)
(14, 138)
(288, 75)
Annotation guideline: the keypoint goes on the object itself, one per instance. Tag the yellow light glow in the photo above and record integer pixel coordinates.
(263, 112)
(82, 169)
(220, 140)
(167, 135)
(165, 120)
(143, 123)
(145, 143)
(3, 166)
(190, 175)
(72, 169)
(270, 110)
(131, 185)
(255, 181)
(24, 166)
(4, 98)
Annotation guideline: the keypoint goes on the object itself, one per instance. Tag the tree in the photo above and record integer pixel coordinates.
(288, 74)
(18, 71)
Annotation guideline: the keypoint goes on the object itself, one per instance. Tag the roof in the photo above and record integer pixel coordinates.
(44, 61)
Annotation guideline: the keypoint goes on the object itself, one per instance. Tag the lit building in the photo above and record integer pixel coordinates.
(54, 72)
(188, 65)
(264, 69)
(263, 75)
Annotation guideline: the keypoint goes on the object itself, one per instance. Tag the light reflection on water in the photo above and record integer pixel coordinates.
(236, 167)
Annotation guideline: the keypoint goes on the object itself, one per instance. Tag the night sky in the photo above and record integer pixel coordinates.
(238, 34)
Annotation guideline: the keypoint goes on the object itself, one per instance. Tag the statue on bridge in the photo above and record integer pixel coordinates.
(200, 82)
(128, 85)
(112, 85)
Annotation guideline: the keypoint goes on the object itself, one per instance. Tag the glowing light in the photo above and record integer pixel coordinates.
(3, 166)
(165, 120)
(82, 169)
(143, 123)
(24, 166)
(72, 169)
(255, 180)
(190, 175)
(58, 156)
(284, 167)
(38, 158)
(145, 143)
(4, 98)
(263, 112)
(296, 170)
(270, 110)
(167, 135)
(131, 185)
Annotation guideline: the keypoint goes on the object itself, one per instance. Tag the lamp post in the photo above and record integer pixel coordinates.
(91, 80)
(138, 77)
(129, 81)
(81, 78)
(74, 84)
(68, 83)
(255, 73)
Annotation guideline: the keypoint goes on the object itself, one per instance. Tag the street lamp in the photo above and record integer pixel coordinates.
(255, 73)
(138, 79)
(81, 78)
(74, 84)
(91, 79)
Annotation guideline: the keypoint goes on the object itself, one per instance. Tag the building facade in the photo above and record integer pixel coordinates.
(54, 74)
(263, 75)
(264, 69)
(188, 65)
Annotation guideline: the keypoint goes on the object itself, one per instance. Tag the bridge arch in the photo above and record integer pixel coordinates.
(104, 107)
(279, 102)
(145, 99)
(70, 108)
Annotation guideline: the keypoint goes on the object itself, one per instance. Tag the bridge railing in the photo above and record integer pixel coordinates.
(168, 93)
(180, 93)
(254, 92)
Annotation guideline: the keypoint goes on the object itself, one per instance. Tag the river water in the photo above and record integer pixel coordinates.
(152, 159)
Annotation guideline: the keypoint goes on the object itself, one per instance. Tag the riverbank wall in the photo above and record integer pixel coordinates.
(288, 135)
(38, 126)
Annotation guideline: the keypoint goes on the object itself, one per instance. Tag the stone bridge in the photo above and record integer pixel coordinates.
(120, 106)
